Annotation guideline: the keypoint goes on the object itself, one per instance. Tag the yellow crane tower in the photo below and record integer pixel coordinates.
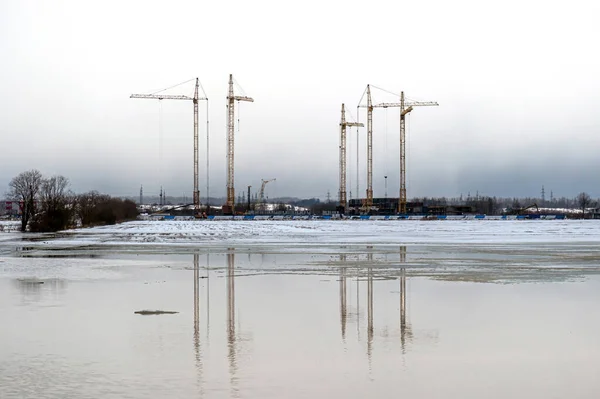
(405, 108)
(231, 98)
(369, 106)
(343, 126)
(195, 99)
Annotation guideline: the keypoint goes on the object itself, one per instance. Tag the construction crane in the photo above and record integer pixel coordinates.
(405, 108)
(231, 98)
(343, 126)
(262, 189)
(369, 198)
(195, 100)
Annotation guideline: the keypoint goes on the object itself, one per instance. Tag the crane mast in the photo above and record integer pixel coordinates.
(195, 100)
(405, 108)
(231, 98)
(402, 196)
(262, 188)
(343, 126)
(196, 189)
(369, 202)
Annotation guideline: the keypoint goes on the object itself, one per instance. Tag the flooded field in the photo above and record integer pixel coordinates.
(302, 310)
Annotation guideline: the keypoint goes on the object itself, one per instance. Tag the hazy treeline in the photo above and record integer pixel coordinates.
(499, 205)
(479, 204)
(47, 204)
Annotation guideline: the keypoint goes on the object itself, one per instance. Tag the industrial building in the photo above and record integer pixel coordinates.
(389, 206)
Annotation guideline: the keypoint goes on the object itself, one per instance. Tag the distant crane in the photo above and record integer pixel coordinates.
(343, 126)
(369, 106)
(405, 108)
(231, 98)
(195, 100)
(262, 190)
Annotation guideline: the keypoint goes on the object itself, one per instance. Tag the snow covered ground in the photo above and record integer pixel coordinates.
(483, 249)
(9, 225)
(316, 233)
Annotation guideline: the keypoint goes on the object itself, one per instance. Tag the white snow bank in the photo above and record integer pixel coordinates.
(334, 232)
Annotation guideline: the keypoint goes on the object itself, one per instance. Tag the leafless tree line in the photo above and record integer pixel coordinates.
(49, 205)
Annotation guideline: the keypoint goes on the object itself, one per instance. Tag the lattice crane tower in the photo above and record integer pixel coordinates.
(343, 126)
(405, 108)
(195, 100)
(231, 98)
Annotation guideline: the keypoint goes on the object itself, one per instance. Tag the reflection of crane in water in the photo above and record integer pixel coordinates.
(343, 307)
(196, 300)
(406, 333)
(405, 329)
(231, 337)
(369, 305)
(197, 349)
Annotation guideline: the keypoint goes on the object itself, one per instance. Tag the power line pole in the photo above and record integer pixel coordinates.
(543, 195)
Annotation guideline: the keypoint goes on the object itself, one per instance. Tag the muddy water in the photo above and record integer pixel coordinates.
(350, 322)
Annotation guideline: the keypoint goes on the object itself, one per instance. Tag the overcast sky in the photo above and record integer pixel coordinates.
(517, 83)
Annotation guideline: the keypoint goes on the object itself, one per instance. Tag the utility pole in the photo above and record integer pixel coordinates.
(195, 100)
(231, 98)
(543, 195)
(141, 195)
(343, 158)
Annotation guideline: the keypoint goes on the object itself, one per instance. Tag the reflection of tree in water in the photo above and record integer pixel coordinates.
(33, 290)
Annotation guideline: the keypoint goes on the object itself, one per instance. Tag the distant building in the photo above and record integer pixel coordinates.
(389, 206)
(11, 208)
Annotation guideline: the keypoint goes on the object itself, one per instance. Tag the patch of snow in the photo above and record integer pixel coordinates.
(319, 232)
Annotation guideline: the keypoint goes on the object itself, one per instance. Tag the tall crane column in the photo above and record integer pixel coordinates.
(196, 189)
(231, 98)
(343, 157)
(369, 202)
(195, 99)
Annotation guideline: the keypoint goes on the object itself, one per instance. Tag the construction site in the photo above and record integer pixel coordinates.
(254, 203)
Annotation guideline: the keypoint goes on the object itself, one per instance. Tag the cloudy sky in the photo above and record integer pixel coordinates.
(517, 83)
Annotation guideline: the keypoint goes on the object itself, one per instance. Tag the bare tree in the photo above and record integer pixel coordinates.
(584, 200)
(87, 206)
(56, 205)
(53, 193)
(25, 188)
